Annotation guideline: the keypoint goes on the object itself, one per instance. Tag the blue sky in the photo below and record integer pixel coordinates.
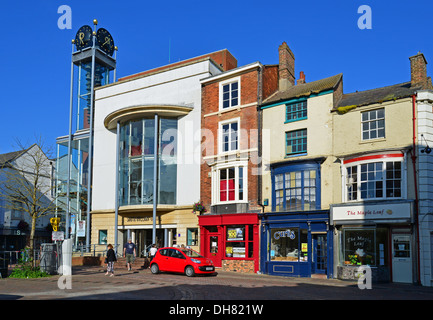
(35, 54)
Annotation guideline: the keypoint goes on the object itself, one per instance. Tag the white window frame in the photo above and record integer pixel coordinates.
(220, 135)
(371, 121)
(374, 159)
(221, 85)
(216, 182)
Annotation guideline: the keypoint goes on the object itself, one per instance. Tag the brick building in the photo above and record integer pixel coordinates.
(230, 169)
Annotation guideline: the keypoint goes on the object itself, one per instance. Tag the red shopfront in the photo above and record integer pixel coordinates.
(231, 241)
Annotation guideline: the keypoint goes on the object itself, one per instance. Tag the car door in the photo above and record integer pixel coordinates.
(163, 262)
(177, 261)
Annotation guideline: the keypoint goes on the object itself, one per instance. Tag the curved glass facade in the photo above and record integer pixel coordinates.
(137, 156)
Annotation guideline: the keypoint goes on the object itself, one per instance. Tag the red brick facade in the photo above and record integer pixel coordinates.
(256, 82)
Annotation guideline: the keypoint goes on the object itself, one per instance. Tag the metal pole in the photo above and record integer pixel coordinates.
(115, 58)
(116, 199)
(155, 178)
(89, 171)
(68, 190)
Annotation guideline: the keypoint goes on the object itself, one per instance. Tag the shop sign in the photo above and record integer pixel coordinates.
(138, 219)
(383, 211)
(234, 234)
(284, 234)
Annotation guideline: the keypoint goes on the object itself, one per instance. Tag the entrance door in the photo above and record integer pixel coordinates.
(401, 258)
(213, 250)
(320, 256)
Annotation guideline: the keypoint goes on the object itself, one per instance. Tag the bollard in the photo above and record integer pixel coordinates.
(67, 257)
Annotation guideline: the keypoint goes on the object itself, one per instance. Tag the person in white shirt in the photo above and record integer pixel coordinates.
(153, 251)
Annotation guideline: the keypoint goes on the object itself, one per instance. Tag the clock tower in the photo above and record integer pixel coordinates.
(93, 65)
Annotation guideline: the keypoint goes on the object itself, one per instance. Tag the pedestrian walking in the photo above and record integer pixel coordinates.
(153, 251)
(129, 253)
(111, 259)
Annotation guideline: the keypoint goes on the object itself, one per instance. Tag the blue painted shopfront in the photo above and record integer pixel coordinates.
(296, 244)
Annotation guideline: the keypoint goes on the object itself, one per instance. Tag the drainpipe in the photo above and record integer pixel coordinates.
(416, 187)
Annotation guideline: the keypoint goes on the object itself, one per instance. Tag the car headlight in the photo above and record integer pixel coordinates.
(196, 261)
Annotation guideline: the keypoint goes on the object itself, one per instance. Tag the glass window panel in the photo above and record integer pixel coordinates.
(230, 95)
(359, 246)
(373, 124)
(381, 113)
(284, 244)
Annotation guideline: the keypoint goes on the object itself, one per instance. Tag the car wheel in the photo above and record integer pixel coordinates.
(189, 271)
(154, 268)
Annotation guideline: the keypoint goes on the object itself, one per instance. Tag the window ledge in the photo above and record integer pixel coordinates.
(372, 140)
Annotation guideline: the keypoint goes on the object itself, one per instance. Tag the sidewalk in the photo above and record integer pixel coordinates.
(90, 283)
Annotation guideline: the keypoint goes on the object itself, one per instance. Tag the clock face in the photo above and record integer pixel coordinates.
(83, 38)
(105, 41)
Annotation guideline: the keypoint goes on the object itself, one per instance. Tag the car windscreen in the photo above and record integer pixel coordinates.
(192, 253)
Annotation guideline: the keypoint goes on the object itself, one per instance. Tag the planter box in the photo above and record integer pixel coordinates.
(379, 274)
(87, 261)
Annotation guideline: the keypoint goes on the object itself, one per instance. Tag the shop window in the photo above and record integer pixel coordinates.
(239, 241)
(102, 236)
(191, 236)
(366, 246)
(289, 244)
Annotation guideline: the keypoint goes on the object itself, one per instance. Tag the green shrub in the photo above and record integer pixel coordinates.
(27, 271)
(25, 268)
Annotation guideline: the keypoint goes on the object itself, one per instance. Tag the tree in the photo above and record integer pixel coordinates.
(26, 184)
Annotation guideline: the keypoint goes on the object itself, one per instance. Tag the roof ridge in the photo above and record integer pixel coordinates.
(383, 87)
(308, 87)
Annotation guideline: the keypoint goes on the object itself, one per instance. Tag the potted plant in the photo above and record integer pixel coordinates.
(198, 207)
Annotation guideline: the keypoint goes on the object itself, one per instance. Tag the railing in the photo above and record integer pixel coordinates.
(9, 258)
(95, 250)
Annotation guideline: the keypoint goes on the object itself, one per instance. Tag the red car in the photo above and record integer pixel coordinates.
(181, 260)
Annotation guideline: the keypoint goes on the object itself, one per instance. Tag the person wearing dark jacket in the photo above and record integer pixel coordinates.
(111, 258)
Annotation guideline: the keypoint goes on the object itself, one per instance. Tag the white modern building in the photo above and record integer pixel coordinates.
(146, 156)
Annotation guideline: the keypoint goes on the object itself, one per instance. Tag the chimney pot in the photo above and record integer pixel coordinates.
(301, 79)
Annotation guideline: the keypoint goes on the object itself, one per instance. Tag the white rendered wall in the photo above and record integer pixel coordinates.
(180, 86)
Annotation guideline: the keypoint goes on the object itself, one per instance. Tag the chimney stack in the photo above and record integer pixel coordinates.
(301, 79)
(418, 71)
(286, 70)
